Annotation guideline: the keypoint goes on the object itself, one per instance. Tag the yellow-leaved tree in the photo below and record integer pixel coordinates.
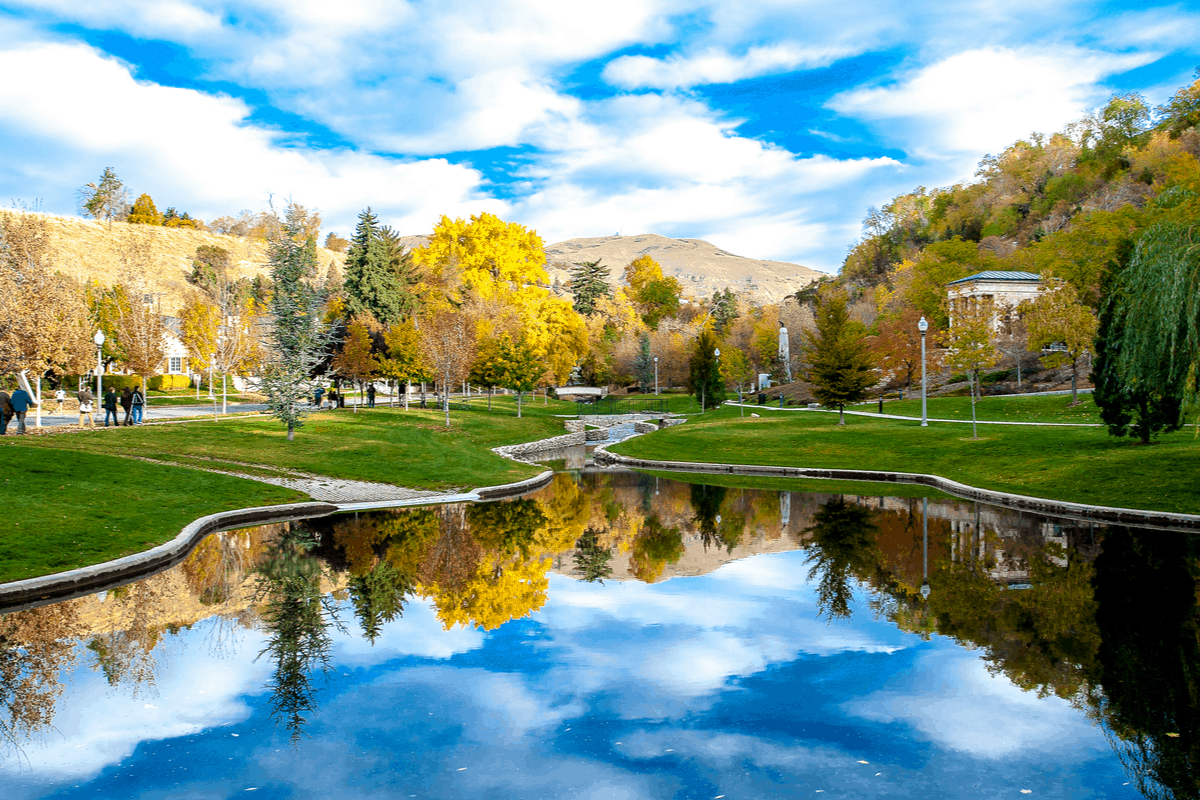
(488, 256)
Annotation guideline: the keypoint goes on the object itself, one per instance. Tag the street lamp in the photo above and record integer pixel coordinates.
(923, 326)
(99, 340)
(656, 376)
(925, 547)
(717, 364)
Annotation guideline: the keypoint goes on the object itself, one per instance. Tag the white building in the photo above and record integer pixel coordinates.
(1000, 288)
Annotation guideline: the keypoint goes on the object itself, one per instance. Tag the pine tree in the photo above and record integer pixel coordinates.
(107, 199)
(1128, 409)
(643, 367)
(589, 282)
(840, 369)
(704, 375)
(372, 285)
(298, 338)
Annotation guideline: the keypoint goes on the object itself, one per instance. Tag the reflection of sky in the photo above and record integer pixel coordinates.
(724, 684)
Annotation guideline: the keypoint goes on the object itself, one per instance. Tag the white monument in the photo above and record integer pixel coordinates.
(784, 352)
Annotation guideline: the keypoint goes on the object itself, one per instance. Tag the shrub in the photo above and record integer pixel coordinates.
(161, 383)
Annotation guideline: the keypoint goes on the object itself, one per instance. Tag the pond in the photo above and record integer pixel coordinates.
(621, 635)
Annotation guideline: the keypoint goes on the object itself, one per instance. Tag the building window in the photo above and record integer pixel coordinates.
(175, 365)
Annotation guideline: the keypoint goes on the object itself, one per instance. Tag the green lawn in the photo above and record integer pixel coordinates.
(68, 509)
(1083, 465)
(72, 499)
(1010, 408)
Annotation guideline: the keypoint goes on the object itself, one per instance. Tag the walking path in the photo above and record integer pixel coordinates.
(918, 419)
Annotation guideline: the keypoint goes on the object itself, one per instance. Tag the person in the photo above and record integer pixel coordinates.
(127, 405)
(20, 402)
(6, 412)
(370, 395)
(110, 406)
(318, 393)
(139, 406)
(333, 398)
(86, 406)
(60, 397)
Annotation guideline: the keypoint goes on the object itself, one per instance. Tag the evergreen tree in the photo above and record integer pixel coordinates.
(591, 558)
(704, 374)
(725, 309)
(1132, 409)
(643, 366)
(107, 199)
(840, 369)
(372, 286)
(589, 282)
(298, 338)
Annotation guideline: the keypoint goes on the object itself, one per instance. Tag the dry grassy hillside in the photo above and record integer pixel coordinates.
(90, 250)
(702, 267)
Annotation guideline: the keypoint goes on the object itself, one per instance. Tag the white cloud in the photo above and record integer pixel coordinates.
(716, 66)
(982, 100)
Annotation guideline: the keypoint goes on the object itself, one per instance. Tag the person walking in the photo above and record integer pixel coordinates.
(60, 397)
(318, 393)
(333, 398)
(127, 405)
(370, 395)
(110, 406)
(139, 406)
(6, 412)
(20, 401)
(86, 406)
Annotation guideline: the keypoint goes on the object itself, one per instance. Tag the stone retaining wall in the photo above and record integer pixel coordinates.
(672, 421)
(574, 425)
(1161, 520)
(596, 435)
(553, 443)
(645, 427)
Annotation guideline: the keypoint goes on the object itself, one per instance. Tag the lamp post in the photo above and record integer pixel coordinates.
(923, 326)
(99, 340)
(717, 365)
(656, 376)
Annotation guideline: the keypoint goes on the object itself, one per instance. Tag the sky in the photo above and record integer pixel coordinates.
(763, 126)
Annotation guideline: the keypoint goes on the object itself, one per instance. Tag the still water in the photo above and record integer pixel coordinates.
(618, 635)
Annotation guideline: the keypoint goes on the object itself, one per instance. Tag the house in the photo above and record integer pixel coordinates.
(175, 352)
(999, 288)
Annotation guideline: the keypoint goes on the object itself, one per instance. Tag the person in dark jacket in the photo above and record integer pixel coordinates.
(127, 405)
(110, 406)
(6, 412)
(139, 406)
(370, 395)
(20, 401)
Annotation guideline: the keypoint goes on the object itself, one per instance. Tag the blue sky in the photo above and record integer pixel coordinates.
(765, 127)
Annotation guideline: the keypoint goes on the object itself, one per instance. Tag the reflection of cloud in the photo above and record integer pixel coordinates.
(420, 633)
(962, 706)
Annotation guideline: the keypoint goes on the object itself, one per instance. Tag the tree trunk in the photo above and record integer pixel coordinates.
(519, 404)
(446, 397)
(490, 390)
(974, 429)
(1074, 376)
(1018, 368)
(291, 432)
(224, 395)
(841, 413)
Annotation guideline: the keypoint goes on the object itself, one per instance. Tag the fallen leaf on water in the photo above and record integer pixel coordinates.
(1173, 735)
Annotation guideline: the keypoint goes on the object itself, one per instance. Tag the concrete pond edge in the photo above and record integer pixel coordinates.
(60, 586)
(1161, 520)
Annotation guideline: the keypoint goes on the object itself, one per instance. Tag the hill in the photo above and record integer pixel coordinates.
(702, 267)
(87, 250)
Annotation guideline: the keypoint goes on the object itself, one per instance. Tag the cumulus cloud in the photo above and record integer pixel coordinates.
(716, 66)
(941, 110)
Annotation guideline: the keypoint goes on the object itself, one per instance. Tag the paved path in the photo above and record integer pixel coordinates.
(918, 419)
(153, 414)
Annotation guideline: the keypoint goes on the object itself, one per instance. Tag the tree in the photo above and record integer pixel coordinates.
(107, 199)
(336, 243)
(840, 366)
(1058, 318)
(655, 295)
(591, 558)
(1127, 408)
(404, 362)
(1182, 111)
(488, 368)
(372, 285)
(736, 369)
(844, 547)
(355, 361)
(448, 343)
(144, 212)
(589, 282)
(971, 347)
(297, 336)
(724, 310)
(1013, 335)
(643, 368)
(519, 367)
(704, 375)
(490, 258)
(898, 346)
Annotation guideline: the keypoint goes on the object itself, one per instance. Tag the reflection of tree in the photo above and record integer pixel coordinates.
(656, 546)
(125, 653)
(843, 547)
(1149, 657)
(296, 621)
(378, 597)
(506, 527)
(591, 558)
(35, 647)
(706, 507)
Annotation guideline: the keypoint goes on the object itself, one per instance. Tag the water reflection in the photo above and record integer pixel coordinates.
(1105, 620)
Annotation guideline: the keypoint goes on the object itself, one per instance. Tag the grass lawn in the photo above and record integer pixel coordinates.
(72, 499)
(1009, 408)
(71, 509)
(205, 400)
(815, 485)
(1083, 465)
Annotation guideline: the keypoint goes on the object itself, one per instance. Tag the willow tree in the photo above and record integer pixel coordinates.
(297, 336)
(1159, 301)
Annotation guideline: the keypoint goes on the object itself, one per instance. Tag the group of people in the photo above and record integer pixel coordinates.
(13, 405)
(337, 400)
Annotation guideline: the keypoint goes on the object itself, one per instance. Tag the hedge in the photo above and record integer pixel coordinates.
(161, 383)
